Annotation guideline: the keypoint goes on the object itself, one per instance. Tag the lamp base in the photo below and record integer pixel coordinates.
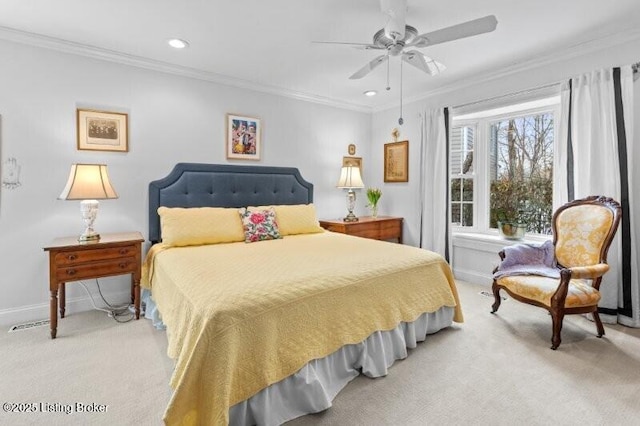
(89, 209)
(350, 218)
(351, 203)
(89, 237)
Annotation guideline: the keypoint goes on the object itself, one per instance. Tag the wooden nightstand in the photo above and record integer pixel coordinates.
(113, 254)
(378, 228)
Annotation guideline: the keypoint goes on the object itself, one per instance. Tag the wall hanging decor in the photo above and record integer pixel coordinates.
(11, 173)
(243, 140)
(352, 149)
(395, 134)
(396, 161)
(102, 130)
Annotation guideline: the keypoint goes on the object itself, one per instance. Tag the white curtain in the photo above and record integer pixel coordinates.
(594, 158)
(434, 182)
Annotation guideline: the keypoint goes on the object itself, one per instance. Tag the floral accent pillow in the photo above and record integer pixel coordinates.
(259, 225)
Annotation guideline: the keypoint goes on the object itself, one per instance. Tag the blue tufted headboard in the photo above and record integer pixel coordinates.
(224, 185)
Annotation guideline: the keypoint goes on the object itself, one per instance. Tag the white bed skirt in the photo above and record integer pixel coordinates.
(315, 385)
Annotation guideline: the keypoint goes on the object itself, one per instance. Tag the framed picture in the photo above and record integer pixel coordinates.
(102, 130)
(396, 161)
(243, 137)
(352, 161)
(352, 149)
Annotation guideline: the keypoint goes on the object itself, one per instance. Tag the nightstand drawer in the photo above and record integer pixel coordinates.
(77, 257)
(97, 269)
(390, 229)
(377, 228)
(335, 228)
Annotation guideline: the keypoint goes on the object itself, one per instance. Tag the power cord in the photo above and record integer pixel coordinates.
(115, 312)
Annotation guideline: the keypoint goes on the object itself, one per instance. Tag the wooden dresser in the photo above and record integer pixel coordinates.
(113, 254)
(378, 228)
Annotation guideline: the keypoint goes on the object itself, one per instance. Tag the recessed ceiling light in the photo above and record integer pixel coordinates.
(370, 93)
(177, 43)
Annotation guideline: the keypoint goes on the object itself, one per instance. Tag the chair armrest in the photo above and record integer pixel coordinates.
(501, 254)
(593, 271)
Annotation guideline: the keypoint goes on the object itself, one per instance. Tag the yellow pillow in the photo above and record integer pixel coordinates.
(295, 219)
(200, 225)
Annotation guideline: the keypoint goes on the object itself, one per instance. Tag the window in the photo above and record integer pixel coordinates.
(501, 164)
(462, 176)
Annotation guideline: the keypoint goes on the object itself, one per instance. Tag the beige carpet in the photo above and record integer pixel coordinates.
(489, 370)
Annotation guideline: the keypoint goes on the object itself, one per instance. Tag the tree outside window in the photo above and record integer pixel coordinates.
(521, 171)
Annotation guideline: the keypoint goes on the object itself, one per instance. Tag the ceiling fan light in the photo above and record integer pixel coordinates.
(370, 93)
(177, 43)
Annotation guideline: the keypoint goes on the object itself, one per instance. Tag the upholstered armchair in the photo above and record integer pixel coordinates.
(582, 233)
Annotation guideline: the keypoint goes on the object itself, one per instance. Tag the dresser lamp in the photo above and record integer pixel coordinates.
(350, 179)
(89, 183)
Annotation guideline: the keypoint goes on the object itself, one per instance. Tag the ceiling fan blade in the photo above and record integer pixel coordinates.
(360, 46)
(341, 42)
(455, 32)
(369, 67)
(423, 62)
(396, 10)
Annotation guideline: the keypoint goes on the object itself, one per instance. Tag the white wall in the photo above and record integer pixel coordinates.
(174, 119)
(401, 199)
(171, 119)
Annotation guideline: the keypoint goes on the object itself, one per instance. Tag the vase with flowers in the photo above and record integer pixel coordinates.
(373, 195)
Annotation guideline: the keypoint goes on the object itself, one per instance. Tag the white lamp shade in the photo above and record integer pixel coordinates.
(88, 181)
(350, 178)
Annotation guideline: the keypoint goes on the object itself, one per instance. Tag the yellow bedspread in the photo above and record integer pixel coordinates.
(241, 317)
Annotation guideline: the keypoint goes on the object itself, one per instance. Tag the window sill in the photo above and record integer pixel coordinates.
(492, 242)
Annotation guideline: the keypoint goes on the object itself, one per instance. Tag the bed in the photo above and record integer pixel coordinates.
(264, 332)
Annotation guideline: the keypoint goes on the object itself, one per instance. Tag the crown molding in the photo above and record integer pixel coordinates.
(573, 51)
(65, 46)
(52, 43)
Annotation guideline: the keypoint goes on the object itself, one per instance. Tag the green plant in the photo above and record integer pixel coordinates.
(502, 216)
(373, 195)
(523, 202)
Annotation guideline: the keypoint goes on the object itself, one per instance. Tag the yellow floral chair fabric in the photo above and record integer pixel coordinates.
(582, 233)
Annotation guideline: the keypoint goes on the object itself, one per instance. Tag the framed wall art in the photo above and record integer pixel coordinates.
(396, 161)
(352, 161)
(243, 141)
(102, 130)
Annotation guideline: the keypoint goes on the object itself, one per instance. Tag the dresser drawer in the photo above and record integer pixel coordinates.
(96, 269)
(81, 256)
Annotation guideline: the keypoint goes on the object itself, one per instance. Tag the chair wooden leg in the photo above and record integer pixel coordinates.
(496, 295)
(557, 318)
(596, 318)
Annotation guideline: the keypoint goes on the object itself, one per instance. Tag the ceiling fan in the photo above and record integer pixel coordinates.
(396, 38)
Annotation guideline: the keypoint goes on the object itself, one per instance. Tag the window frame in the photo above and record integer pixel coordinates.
(482, 180)
(471, 175)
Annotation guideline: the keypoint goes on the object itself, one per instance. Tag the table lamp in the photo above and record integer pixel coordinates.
(350, 179)
(89, 183)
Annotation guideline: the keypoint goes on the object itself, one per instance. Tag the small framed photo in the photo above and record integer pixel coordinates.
(102, 130)
(352, 161)
(396, 161)
(243, 137)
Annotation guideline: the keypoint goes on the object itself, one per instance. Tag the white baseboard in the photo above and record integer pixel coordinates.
(472, 276)
(40, 311)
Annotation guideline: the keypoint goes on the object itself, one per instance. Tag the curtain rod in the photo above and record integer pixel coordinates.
(634, 67)
(509, 95)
